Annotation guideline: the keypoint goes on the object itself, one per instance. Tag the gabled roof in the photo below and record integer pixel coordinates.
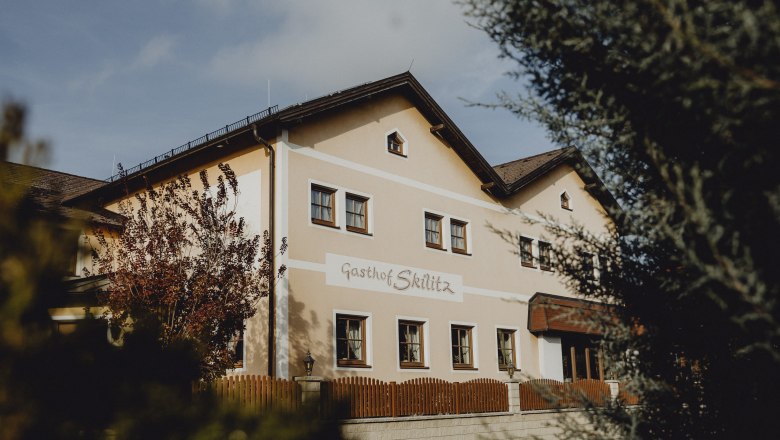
(525, 168)
(501, 181)
(48, 189)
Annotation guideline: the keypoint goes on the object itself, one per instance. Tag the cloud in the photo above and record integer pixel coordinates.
(155, 50)
(322, 46)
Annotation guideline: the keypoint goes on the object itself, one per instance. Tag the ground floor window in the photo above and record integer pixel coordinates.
(411, 342)
(582, 358)
(350, 340)
(462, 347)
(506, 348)
(237, 347)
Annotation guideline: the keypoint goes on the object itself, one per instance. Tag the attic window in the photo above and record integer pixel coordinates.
(565, 201)
(396, 144)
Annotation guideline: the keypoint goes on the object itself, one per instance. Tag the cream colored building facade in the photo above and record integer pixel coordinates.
(394, 270)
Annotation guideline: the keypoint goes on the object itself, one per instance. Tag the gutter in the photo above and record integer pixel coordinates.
(271, 254)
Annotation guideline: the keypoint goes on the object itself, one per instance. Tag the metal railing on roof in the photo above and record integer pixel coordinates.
(196, 143)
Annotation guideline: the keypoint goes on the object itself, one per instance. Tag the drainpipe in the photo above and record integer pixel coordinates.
(271, 232)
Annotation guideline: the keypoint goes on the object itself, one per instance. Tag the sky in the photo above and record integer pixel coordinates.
(108, 81)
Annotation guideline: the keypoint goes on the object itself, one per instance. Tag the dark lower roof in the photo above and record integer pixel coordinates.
(48, 189)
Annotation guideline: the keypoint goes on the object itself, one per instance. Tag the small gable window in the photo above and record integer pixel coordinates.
(565, 201)
(396, 144)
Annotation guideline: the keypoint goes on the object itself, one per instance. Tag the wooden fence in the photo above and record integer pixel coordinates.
(626, 397)
(551, 394)
(360, 397)
(259, 393)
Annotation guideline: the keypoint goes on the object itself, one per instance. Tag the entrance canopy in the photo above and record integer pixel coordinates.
(552, 313)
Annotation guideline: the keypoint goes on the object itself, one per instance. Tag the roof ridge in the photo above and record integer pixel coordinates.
(346, 89)
(559, 150)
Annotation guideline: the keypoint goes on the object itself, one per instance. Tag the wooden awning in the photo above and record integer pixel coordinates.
(552, 313)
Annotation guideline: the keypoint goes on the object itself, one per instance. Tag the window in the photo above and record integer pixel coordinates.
(396, 144)
(322, 205)
(458, 236)
(350, 340)
(357, 213)
(506, 348)
(565, 199)
(411, 344)
(526, 252)
(587, 265)
(433, 231)
(462, 356)
(236, 345)
(545, 256)
(603, 266)
(582, 358)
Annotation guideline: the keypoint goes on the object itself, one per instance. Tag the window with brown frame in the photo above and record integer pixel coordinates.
(526, 252)
(565, 199)
(582, 358)
(411, 344)
(458, 236)
(395, 144)
(545, 256)
(357, 213)
(433, 230)
(236, 345)
(350, 341)
(506, 348)
(462, 355)
(322, 202)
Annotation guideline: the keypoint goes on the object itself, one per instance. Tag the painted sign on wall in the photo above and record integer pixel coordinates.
(357, 273)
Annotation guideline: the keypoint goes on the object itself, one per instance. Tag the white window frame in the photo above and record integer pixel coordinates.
(426, 345)
(571, 200)
(340, 207)
(243, 354)
(369, 345)
(518, 359)
(474, 349)
(404, 146)
(446, 238)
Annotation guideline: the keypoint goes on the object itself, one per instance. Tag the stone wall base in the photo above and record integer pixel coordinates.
(536, 424)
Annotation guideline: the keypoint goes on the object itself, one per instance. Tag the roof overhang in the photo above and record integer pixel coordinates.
(553, 313)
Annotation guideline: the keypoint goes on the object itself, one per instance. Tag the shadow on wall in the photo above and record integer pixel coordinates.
(303, 324)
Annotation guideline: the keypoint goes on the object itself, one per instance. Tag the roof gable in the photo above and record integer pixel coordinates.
(500, 181)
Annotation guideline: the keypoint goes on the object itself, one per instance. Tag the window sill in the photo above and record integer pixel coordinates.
(528, 265)
(327, 225)
(353, 365)
(414, 367)
(435, 246)
(461, 252)
(400, 154)
(464, 368)
(546, 268)
(359, 231)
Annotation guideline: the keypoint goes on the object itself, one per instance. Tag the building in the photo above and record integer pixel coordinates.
(395, 270)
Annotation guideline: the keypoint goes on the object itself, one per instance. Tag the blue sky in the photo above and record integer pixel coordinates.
(123, 81)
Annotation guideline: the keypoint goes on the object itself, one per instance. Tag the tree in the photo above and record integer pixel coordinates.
(78, 385)
(184, 265)
(676, 104)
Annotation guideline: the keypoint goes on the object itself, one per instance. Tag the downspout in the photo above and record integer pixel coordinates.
(272, 276)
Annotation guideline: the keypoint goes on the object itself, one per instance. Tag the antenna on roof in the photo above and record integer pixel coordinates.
(113, 165)
(410, 66)
(269, 93)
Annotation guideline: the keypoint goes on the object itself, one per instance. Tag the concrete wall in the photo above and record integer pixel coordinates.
(537, 424)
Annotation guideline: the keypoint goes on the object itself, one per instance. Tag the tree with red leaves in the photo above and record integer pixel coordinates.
(184, 265)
